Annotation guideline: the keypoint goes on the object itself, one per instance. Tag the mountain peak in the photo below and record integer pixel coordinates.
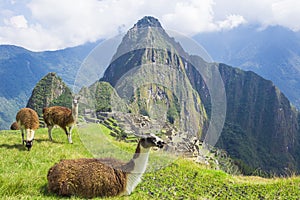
(56, 93)
(148, 21)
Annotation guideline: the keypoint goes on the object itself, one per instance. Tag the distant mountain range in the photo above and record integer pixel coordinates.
(261, 129)
(273, 53)
(21, 69)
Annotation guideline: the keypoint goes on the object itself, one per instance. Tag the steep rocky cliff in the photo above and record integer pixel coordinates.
(49, 91)
(97, 97)
(267, 119)
(261, 129)
(148, 72)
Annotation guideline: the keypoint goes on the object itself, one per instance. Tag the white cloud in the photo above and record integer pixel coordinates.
(231, 22)
(190, 17)
(264, 12)
(33, 38)
(75, 22)
(54, 24)
(287, 13)
(18, 21)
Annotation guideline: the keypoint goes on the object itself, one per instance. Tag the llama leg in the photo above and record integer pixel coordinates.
(23, 141)
(68, 135)
(50, 132)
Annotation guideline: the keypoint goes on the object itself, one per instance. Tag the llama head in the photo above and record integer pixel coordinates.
(28, 144)
(76, 100)
(152, 141)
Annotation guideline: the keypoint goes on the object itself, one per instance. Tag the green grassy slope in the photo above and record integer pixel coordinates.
(23, 174)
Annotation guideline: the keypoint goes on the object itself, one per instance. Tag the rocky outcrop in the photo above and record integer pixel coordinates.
(261, 130)
(49, 91)
(148, 73)
(261, 127)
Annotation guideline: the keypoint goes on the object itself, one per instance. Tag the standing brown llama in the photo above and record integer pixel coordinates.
(63, 117)
(28, 121)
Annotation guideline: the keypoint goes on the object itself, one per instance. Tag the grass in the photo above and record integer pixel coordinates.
(23, 173)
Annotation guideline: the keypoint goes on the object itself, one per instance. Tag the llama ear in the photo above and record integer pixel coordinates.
(75, 97)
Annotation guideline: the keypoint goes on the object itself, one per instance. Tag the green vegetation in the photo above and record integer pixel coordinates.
(103, 97)
(50, 91)
(23, 173)
(97, 97)
(260, 126)
(153, 100)
(261, 130)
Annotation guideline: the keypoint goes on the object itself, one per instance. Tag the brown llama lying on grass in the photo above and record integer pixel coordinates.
(28, 121)
(63, 117)
(90, 177)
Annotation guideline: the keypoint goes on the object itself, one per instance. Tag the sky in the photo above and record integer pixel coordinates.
(40, 25)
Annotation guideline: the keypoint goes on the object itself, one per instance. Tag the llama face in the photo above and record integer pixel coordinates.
(29, 139)
(152, 141)
(29, 144)
(76, 100)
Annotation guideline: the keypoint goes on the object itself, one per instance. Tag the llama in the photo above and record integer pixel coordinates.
(63, 117)
(90, 177)
(28, 121)
(14, 126)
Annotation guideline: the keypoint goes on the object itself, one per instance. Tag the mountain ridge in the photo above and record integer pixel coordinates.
(21, 69)
(255, 107)
(149, 55)
(273, 53)
(49, 91)
(265, 126)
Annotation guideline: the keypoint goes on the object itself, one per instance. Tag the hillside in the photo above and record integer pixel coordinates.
(266, 119)
(49, 91)
(261, 128)
(273, 53)
(21, 69)
(23, 174)
(97, 97)
(148, 73)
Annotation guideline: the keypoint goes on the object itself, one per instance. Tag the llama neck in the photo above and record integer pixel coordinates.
(138, 167)
(75, 111)
(29, 134)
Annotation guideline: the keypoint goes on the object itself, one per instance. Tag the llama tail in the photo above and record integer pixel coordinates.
(45, 110)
